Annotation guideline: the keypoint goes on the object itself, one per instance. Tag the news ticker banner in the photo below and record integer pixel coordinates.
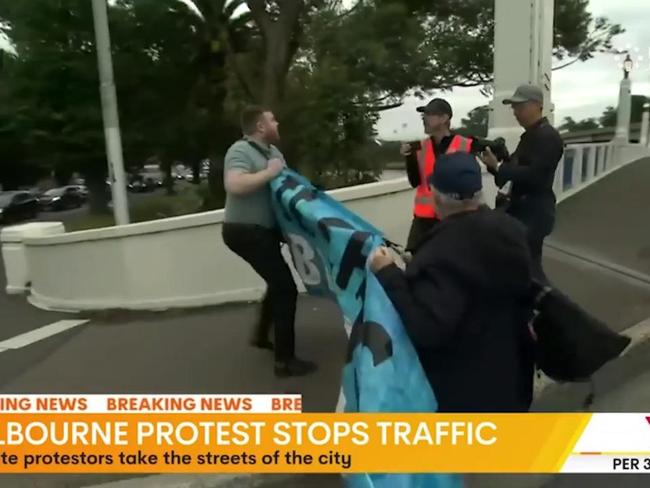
(267, 434)
(150, 404)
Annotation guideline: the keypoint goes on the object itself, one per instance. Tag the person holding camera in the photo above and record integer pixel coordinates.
(530, 170)
(420, 163)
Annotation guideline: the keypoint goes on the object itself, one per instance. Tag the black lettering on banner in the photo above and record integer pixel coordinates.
(373, 336)
(356, 337)
(353, 258)
(288, 183)
(325, 226)
(356, 334)
(325, 223)
(361, 292)
(306, 194)
(356, 388)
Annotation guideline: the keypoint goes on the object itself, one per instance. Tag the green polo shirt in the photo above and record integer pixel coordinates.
(252, 208)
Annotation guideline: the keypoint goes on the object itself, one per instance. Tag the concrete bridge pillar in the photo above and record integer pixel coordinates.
(624, 111)
(523, 43)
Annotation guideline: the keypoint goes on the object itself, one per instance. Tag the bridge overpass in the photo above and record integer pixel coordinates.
(602, 135)
(599, 254)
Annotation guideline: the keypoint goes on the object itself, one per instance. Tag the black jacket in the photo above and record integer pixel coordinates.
(531, 169)
(464, 301)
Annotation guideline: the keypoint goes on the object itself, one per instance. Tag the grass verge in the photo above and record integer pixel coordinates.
(154, 207)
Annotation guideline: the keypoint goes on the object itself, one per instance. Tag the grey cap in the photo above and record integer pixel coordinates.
(526, 93)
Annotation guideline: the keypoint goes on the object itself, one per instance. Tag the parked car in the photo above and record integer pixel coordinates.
(82, 189)
(142, 185)
(16, 206)
(63, 198)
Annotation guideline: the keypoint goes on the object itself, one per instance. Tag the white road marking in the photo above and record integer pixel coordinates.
(36, 335)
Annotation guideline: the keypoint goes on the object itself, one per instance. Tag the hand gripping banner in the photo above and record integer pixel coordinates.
(330, 246)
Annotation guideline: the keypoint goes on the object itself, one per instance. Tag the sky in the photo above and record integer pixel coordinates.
(579, 91)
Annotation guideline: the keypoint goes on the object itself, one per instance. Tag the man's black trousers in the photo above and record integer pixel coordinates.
(539, 220)
(260, 247)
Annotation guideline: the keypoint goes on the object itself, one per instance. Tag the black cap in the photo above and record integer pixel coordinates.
(437, 106)
(457, 175)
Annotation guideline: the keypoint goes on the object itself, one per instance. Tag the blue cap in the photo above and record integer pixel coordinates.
(457, 175)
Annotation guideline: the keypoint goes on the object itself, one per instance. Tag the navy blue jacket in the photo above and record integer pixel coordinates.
(531, 169)
(464, 301)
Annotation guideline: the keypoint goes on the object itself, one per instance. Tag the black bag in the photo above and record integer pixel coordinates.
(502, 201)
(571, 344)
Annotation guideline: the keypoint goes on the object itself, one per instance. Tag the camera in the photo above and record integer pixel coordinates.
(479, 144)
(498, 147)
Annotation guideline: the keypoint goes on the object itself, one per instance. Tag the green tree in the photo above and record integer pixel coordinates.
(16, 169)
(610, 115)
(336, 87)
(455, 35)
(476, 122)
(223, 33)
(571, 125)
(52, 87)
(324, 65)
(165, 64)
(608, 119)
(463, 37)
(182, 76)
(156, 47)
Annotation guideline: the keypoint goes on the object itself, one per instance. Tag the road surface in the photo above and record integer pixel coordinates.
(206, 351)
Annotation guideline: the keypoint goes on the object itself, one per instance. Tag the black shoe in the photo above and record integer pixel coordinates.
(294, 367)
(262, 344)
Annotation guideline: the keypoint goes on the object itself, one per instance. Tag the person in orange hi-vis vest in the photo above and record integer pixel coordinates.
(420, 165)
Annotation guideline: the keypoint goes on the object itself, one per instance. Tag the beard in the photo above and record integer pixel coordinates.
(272, 137)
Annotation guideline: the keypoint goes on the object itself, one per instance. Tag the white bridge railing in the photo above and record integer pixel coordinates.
(182, 261)
(584, 164)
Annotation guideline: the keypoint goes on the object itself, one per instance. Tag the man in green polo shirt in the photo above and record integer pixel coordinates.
(251, 232)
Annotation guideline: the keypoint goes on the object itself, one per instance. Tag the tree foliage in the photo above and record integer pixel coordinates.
(476, 123)
(327, 69)
(170, 79)
(348, 65)
(449, 42)
(609, 117)
(571, 125)
(52, 97)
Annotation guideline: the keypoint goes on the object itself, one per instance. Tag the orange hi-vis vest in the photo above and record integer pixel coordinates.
(425, 205)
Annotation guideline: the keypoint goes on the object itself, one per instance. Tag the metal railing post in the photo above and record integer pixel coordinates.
(576, 176)
(591, 163)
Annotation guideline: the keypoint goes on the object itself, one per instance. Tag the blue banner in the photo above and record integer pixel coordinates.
(330, 246)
